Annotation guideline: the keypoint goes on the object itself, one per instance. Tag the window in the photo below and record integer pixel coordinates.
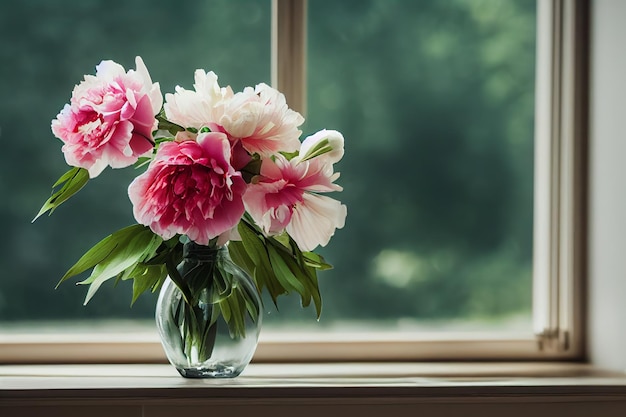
(558, 164)
(461, 225)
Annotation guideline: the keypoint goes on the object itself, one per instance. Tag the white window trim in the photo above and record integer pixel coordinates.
(560, 174)
(559, 226)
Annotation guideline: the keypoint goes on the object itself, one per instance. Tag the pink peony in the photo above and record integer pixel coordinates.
(285, 196)
(190, 188)
(110, 118)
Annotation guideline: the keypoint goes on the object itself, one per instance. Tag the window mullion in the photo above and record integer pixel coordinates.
(559, 174)
(289, 51)
(544, 183)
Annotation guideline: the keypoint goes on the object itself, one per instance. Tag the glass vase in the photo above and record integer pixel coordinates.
(209, 314)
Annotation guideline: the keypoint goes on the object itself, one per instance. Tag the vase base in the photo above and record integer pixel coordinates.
(215, 372)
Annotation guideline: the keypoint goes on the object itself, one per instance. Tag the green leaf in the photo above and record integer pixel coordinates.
(172, 247)
(165, 124)
(278, 264)
(306, 277)
(310, 273)
(316, 261)
(163, 139)
(284, 274)
(305, 274)
(171, 263)
(313, 285)
(240, 257)
(263, 273)
(151, 272)
(147, 277)
(255, 249)
(142, 161)
(223, 284)
(240, 317)
(289, 155)
(130, 250)
(226, 310)
(94, 256)
(149, 253)
(234, 313)
(116, 254)
(254, 246)
(251, 306)
(71, 182)
(283, 239)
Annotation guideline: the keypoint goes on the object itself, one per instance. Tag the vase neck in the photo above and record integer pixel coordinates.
(201, 253)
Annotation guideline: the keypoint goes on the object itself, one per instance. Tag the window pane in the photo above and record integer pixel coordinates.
(46, 48)
(435, 99)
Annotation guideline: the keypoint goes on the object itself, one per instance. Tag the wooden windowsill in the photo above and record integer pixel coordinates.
(314, 389)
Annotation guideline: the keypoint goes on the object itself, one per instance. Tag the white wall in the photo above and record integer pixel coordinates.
(607, 210)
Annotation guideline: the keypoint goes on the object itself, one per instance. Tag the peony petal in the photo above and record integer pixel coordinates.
(96, 168)
(314, 221)
(196, 108)
(153, 90)
(107, 70)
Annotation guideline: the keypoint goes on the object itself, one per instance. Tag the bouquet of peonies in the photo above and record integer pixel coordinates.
(218, 168)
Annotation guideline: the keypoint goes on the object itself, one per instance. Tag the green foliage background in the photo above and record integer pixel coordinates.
(434, 98)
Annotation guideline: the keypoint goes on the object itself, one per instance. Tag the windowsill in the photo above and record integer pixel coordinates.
(284, 389)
